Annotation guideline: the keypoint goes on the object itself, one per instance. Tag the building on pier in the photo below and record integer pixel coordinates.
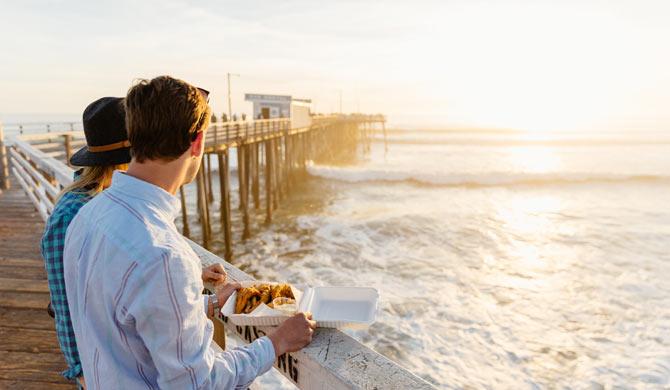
(281, 106)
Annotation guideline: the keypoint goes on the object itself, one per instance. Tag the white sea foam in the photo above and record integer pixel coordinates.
(358, 175)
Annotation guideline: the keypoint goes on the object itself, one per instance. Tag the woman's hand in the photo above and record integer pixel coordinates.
(214, 274)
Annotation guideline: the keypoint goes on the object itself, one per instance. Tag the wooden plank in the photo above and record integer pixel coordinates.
(20, 300)
(21, 248)
(21, 262)
(28, 340)
(22, 285)
(26, 318)
(34, 385)
(28, 366)
(19, 218)
(28, 273)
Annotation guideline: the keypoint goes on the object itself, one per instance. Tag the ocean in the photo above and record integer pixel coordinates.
(503, 259)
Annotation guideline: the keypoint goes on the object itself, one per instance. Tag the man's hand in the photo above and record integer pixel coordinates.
(293, 334)
(214, 274)
(222, 294)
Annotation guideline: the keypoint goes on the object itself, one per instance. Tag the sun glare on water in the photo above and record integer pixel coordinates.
(534, 159)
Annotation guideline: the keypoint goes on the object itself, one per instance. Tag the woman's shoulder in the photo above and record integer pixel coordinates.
(64, 211)
(70, 203)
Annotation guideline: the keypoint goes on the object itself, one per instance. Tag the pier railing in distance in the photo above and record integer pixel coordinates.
(333, 360)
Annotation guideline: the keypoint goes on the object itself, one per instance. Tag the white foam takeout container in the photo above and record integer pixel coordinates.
(331, 307)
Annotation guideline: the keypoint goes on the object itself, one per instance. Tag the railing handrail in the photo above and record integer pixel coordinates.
(333, 360)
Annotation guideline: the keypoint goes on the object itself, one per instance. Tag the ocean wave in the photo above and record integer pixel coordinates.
(493, 141)
(360, 175)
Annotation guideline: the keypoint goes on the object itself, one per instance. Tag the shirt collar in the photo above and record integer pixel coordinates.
(140, 189)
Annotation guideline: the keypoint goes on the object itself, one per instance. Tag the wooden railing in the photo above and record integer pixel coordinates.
(333, 360)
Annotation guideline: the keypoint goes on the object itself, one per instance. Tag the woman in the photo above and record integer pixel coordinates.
(106, 150)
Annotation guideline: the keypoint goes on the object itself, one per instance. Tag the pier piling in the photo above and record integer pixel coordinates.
(255, 185)
(210, 191)
(184, 213)
(242, 169)
(225, 203)
(203, 207)
(268, 181)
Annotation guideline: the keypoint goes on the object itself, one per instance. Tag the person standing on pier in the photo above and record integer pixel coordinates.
(107, 149)
(132, 280)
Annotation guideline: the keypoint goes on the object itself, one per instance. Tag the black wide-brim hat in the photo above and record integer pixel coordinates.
(106, 136)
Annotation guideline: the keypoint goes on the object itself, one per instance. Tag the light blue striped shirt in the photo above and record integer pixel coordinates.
(134, 287)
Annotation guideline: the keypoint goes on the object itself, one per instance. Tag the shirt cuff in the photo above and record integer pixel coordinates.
(206, 302)
(73, 371)
(266, 352)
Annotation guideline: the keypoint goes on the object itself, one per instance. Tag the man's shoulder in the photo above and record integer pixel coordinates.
(105, 209)
(130, 225)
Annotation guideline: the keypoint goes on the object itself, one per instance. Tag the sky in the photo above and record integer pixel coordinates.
(530, 65)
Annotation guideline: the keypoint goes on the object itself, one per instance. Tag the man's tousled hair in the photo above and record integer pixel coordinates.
(162, 117)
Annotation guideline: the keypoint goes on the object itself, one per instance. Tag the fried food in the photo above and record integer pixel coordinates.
(249, 298)
(282, 290)
(245, 297)
(279, 301)
(265, 290)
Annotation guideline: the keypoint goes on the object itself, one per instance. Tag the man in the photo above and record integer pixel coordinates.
(133, 283)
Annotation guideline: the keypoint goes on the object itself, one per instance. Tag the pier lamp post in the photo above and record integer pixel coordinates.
(340, 91)
(230, 108)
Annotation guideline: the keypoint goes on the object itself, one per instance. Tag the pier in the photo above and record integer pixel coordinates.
(270, 155)
(29, 354)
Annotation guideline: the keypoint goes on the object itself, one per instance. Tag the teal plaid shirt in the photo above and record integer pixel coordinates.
(53, 241)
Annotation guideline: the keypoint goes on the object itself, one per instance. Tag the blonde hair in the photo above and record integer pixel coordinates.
(93, 180)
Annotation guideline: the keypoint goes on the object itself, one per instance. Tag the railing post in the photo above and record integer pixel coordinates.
(4, 163)
(67, 139)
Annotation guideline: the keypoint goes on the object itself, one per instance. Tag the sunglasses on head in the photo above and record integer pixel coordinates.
(205, 95)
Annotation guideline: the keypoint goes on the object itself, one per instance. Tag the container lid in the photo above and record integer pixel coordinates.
(341, 304)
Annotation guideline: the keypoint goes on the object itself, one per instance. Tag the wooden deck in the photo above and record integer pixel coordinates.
(29, 354)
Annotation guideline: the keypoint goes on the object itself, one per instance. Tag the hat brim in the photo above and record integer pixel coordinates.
(84, 158)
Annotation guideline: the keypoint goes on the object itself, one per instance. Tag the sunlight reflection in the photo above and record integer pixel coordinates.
(527, 223)
(526, 215)
(534, 159)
